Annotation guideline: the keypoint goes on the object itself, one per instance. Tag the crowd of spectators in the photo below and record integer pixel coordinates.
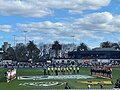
(54, 64)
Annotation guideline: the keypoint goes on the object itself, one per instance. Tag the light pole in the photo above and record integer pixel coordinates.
(73, 33)
(14, 38)
(25, 31)
(73, 37)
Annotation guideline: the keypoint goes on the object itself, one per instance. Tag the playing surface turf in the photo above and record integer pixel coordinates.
(55, 83)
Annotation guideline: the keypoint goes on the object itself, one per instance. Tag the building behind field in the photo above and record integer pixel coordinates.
(103, 55)
(106, 53)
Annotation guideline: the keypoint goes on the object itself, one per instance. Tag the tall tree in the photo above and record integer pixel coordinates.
(21, 52)
(106, 44)
(115, 46)
(82, 47)
(9, 54)
(57, 47)
(33, 51)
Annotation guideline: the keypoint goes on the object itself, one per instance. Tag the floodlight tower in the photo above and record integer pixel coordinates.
(14, 39)
(25, 32)
(73, 37)
(73, 33)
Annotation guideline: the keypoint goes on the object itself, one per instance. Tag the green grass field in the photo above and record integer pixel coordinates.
(74, 83)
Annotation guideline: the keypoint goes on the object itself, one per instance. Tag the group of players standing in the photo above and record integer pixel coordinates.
(105, 72)
(99, 71)
(61, 70)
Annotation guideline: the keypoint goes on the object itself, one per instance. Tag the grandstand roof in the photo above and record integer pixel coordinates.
(104, 49)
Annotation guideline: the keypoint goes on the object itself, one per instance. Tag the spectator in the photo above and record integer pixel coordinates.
(117, 84)
(67, 86)
(101, 86)
(89, 86)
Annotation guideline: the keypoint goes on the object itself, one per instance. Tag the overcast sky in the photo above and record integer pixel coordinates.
(89, 21)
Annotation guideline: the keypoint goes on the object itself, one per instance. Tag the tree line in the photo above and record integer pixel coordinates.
(22, 52)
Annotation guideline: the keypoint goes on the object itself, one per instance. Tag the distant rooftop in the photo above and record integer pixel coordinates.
(104, 49)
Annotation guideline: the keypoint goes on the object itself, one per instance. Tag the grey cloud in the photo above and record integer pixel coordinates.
(40, 8)
(104, 22)
(88, 26)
